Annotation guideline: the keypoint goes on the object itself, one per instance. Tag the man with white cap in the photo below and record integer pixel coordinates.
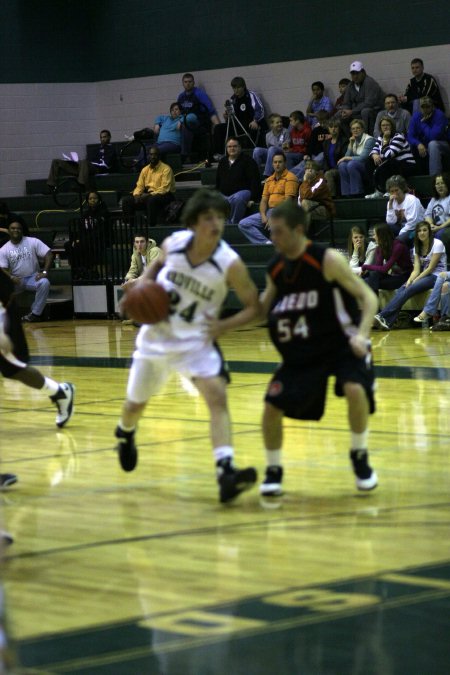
(363, 97)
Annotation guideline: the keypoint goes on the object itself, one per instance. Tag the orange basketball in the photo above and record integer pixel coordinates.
(146, 301)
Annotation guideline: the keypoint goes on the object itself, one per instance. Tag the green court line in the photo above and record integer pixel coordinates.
(257, 367)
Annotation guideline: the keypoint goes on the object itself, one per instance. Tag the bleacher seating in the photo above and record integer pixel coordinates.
(47, 221)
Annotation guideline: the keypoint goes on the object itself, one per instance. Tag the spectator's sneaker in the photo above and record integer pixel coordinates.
(7, 479)
(271, 487)
(126, 448)
(31, 318)
(63, 399)
(6, 538)
(422, 318)
(233, 481)
(442, 325)
(379, 322)
(375, 195)
(366, 478)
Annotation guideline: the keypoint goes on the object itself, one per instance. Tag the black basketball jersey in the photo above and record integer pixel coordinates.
(310, 316)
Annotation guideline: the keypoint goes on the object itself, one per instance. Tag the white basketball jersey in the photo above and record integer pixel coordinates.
(197, 291)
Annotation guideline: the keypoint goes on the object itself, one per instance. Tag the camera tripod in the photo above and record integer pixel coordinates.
(236, 129)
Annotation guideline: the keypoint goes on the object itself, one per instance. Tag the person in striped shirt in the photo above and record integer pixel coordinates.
(391, 156)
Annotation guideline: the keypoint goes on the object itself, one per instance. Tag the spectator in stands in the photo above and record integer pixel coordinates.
(166, 132)
(300, 133)
(89, 238)
(246, 107)
(334, 147)
(318, 102)
(6, 217)
(353, 167)
(438, 210)
(391, 265)
(195, 101)
(339, 103)
(145, 251)
(391, 155)
(359, 252)
(404, 210)
(401, 117)
(420, 85)
(429, 260)
(274, 141)
(154, 189)
(238, 179)
(282, 185)
(439, 294)
(427, 136)
(103, 160)
(363, 97)
(314, 194)
(314, 150)
(19, 259)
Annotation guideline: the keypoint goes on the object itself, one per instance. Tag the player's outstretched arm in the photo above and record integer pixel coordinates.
(239, 280)
(335, 268)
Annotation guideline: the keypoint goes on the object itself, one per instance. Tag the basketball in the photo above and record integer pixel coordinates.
(146, 301)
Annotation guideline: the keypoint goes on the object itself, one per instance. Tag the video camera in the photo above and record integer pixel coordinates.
(229, 108)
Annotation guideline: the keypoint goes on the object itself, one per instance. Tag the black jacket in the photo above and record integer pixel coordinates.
(243, 174)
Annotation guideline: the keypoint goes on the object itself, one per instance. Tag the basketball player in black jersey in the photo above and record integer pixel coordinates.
(319, 317)
(14, 362)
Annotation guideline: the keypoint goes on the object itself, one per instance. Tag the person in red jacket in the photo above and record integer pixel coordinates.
(299, 132)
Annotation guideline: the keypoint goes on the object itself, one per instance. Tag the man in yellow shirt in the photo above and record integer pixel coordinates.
(282, 185)
(154, 189)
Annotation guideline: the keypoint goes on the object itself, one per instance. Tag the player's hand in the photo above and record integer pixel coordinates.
(129, 282)
(39, 276)
(359, 345)
(214, 327)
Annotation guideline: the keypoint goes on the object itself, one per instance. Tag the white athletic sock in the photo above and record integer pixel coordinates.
(223, 452)
(125, 428)
(50, 386)
(273, 457)
(359, 441)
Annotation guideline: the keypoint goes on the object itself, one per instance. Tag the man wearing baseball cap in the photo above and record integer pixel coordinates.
(363, 97)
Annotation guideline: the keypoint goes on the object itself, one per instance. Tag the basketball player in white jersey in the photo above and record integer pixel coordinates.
(196, 268)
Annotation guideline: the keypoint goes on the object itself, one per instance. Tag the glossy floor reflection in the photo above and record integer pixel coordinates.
(147, 574)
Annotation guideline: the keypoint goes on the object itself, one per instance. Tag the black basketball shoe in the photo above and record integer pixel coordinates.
(233, 481)
(271, 486)
(366, 478)
(127, 449)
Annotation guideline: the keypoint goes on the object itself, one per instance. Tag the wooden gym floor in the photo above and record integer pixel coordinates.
(145, 573)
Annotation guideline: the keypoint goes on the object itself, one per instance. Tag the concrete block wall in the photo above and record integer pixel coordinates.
(40, 121)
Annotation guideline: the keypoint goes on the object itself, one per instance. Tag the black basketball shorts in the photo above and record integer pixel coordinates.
(300, 390)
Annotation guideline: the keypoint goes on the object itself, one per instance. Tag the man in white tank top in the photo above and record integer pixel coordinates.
(196, 268)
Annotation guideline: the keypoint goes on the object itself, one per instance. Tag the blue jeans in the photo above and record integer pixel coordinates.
(238, 205)
(436, 295)
(253, 228)
(41, 288)
(352, 176)
(436, 150)
(390, 312)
